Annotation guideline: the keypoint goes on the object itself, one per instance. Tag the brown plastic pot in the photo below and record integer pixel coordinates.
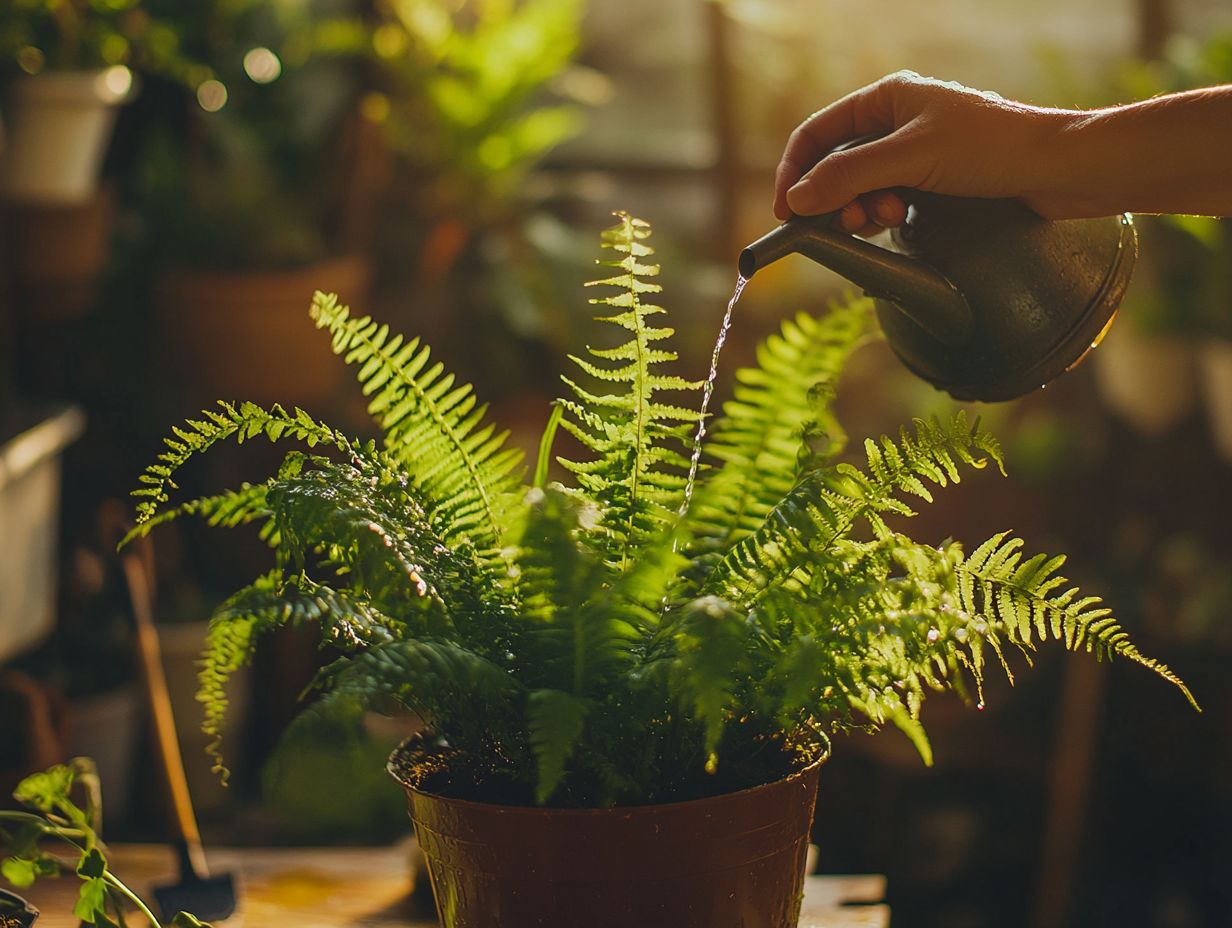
(15, 912)
(731, 861)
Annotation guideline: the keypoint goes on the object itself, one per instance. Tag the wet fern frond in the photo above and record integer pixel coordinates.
(589, 644)
(636, 439)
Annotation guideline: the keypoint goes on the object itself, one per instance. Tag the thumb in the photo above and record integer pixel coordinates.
(841, 176)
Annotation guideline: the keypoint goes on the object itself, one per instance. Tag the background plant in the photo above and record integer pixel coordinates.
(83, 34)
(231, 175)
(54, 814)
(586, 645)
(471, 97)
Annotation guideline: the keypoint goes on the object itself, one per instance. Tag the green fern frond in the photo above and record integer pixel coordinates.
(583, 628)
(711, 638)
(826, 503)
(1030, 600)
(555, 720)
(242, 422)
(433, 426)
(227, 510)
(637, 441)
(364, 518)
(777, 406)
(479, 703)
(347, 621)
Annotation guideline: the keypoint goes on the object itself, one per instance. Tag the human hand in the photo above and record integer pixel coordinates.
(928, 135)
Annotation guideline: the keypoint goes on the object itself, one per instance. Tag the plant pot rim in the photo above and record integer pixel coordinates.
(411, 743)
(29, 915)
(79, 85)
(192, 274)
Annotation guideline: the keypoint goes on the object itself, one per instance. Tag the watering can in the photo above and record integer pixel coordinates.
(980, 297)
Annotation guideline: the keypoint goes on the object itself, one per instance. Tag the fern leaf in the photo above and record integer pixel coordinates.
(826, 503)
(1001, 592)
(583, 628)
(242, 422)
(555, 720)
(268, 603)
(711, 638)
(368, 523)
(434, 428)
(776, 407)
(637, 442)
(227, 510)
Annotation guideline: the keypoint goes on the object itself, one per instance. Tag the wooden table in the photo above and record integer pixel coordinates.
(369, 888)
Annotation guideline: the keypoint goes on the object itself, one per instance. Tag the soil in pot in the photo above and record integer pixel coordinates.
(730, 861)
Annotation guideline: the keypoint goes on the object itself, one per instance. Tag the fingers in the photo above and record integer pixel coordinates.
(845, 175)
(867, 111)
(873, 213)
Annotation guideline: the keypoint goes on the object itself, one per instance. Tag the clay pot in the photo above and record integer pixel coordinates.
(247, 335)
(731, 861)
(56, 254)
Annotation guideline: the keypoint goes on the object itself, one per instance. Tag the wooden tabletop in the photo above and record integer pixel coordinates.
(369, 888)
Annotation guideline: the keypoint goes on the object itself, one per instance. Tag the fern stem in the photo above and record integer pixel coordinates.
(545, 444)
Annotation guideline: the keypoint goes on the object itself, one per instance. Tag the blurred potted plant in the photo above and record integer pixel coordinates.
(256, 192)
(64, 65)
(630, 695)
(471, 97)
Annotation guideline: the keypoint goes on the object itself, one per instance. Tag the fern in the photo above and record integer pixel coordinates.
(267, 603)
(637, 441)
(241, 422)
(827, 502)
(588, 644)
(433, 426)
(1029, 599)
(777, 404)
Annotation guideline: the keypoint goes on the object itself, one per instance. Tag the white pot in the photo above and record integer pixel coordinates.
(57, 126)
(29, 518)
(106, 727)
(1148, 380)
(1215, 359)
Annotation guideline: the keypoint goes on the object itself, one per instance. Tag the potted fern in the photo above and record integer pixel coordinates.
(628, 705)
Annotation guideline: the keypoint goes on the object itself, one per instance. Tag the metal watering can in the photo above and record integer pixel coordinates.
(981, 298)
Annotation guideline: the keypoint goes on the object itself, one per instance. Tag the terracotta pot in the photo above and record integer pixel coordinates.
(56, 254)
(731, 861)
(57, 126)
(247, 335)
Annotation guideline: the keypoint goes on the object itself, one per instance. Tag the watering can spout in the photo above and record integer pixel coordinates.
(926, 297)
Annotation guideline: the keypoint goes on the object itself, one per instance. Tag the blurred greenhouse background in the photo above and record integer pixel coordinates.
(446, 165)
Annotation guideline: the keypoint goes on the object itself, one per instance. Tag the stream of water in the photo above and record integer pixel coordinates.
(707, 392)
